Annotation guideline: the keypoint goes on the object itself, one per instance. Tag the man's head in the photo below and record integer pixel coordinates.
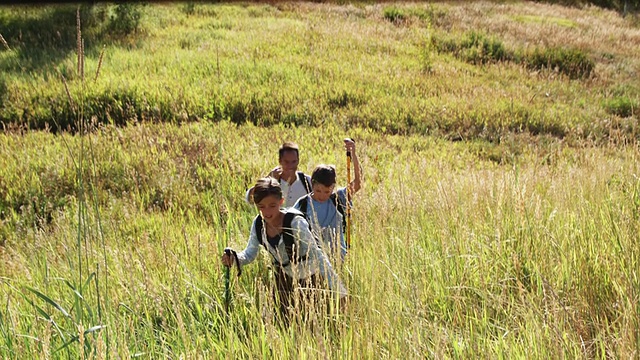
(288, 157)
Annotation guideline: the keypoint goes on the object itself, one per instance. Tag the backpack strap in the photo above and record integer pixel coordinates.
(335, 199)
(287, 237)
(304, 205)
(304, 181)
(257, 224)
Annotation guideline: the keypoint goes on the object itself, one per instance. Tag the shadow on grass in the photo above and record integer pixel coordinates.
(42, 37)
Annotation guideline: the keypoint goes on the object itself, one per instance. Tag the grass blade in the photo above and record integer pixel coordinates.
(94, 329)
(65, 345)
(48, 300)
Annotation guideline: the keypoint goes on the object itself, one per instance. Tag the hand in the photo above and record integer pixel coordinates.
(276, 173)
(350, 145)
(228, 259)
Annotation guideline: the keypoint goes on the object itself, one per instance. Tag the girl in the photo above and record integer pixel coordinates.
(286, 235)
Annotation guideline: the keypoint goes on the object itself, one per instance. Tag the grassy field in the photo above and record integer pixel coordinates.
(520, 241)
(470, 71)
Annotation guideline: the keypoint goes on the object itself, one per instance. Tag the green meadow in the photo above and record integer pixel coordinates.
(499, 215)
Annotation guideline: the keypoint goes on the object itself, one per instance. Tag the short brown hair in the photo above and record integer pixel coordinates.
(324, 174)
(266, 186)
(288, 146)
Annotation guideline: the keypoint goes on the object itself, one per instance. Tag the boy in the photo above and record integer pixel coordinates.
(299, 261)
(294, 183)
(325, 209)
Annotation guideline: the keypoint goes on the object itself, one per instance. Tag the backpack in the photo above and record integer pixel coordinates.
(304, 204)
(304, 181)
(287, 237)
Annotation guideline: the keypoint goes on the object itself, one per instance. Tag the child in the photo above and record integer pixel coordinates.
(294, 183)
(325, 209)
(285, 234)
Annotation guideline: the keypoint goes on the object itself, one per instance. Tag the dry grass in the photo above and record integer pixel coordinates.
(523, 248)
(601, 32)
(473, 258)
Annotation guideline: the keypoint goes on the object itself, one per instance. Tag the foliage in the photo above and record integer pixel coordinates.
(394, 14)
(217, 64)
(572, 62)
(110, 233)
(3, 90)
(621, 106)
(619, 5)
(475, 48)
(126, 18)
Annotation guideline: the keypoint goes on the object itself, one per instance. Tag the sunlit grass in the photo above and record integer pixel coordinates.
(518, 247)
(466, 257)
(288, 63)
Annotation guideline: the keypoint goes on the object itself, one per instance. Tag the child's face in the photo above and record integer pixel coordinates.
(321, 192)
(289, 161)
(269, 208)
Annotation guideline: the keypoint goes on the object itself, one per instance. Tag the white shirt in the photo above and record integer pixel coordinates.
(290, 192)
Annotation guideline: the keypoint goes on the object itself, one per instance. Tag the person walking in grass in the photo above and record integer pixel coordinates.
(294, 183)
(326, 209)
(300, 265)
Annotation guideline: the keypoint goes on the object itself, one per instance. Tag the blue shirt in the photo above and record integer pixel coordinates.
(326, 221)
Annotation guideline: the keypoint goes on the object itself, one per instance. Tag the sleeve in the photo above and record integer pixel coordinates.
(307, 245)
(249, 254)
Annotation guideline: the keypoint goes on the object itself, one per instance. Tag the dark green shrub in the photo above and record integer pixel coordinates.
(3, 90)
(126, 18)
(394, 15)
(571, 62)
(189, 8)
(622, 106)
(444, 44)
(48, 27)
(343, 99)
(433, 15)
(480, 49)
(475, 48)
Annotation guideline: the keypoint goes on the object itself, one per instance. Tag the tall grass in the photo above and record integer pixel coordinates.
(515, 247)
(467, 257)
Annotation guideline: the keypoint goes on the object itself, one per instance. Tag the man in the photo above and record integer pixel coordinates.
(294, 184)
